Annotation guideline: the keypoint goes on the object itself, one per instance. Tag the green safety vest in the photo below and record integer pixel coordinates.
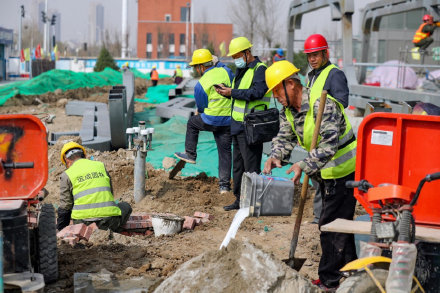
(218, 105)
(344, 161)
(179, 72)
(240, 107)
(92, 196)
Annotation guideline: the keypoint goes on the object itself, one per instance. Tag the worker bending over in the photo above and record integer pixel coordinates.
(331, 164)
(422, 37)
(86, 193)
(215, 115)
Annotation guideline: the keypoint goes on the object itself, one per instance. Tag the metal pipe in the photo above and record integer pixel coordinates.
(139, 175)
(124, 28)
(192, 26)
(186, 32)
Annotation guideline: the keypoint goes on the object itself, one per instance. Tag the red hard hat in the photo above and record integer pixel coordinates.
(315, 43)
(427, 17)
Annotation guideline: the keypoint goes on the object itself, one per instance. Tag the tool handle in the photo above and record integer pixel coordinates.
(305, 185)
(433, 176)
(23, 165)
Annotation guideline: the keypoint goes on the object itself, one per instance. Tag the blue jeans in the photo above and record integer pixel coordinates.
(222, 136)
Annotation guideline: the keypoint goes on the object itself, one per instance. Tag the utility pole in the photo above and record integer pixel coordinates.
(124, 28)
(186, 33)
(19, 29)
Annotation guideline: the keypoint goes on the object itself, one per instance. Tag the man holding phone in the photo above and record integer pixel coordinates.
(214, 114)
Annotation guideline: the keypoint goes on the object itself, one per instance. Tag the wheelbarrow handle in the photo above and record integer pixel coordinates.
(24, 165)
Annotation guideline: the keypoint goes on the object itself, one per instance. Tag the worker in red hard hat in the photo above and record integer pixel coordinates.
(422, 38)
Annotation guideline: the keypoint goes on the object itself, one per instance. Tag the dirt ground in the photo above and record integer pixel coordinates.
(148, 256)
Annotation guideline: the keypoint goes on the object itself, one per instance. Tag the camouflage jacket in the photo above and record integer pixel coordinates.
(333, 125)
(66, 191)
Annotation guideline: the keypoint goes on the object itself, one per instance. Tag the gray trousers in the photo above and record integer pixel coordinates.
(112, 223)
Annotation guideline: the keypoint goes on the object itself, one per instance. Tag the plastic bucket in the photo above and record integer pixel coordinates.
(166, 225)
(266, 195)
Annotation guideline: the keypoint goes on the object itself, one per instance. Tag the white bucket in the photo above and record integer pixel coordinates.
(166, 225)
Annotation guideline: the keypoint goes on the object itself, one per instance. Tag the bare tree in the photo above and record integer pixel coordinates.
(245, 16)
(268, 24)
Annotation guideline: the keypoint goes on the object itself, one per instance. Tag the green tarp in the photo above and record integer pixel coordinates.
(157, 94)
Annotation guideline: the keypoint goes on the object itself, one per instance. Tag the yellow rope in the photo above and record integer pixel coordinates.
(418, 285)
(382, 290)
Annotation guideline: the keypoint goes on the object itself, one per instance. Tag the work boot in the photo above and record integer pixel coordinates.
(234, 206)
(324, 288)
(185, 157)
(224, 190)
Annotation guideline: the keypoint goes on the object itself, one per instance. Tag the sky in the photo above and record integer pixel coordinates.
(75, 16)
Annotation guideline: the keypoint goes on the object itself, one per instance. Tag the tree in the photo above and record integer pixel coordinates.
(244, 15)
(300, 61)
(105, 60)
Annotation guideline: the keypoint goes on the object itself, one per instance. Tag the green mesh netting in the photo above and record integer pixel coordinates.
(139, 74)
(64, 80)
(157, 94)
(169, 137)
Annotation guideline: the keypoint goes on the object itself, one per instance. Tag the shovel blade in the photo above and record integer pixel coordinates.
(295, 263)
(179, 166)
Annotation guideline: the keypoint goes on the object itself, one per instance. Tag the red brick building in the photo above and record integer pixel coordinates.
(162, 30)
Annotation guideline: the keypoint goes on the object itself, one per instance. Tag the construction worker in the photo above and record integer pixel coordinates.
(331, 164)
(154, 75)
(214, 115)
(86, 193)
(279, 55)
(248, 91)
(422, 38)
(178, 75)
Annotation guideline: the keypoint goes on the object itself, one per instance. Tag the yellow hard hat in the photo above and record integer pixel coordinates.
(67, 147)
(238, 44)
(178, 66)
(201, 56)
(278, 72)
(154, 66)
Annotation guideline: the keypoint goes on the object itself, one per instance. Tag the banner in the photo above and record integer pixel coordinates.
(222, 49)
(27, 54)
(38, 52)
(22, 57)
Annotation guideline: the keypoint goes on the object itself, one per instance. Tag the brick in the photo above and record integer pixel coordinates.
(149, 232)
(189, 223)
(137, 224)
(198, 221)
(139, 217)
(72, 230)
(87, 233)
(93, 226)
(71, 240)
(203, 216)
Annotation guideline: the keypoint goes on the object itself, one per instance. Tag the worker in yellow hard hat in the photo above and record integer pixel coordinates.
(214, 114)
(331, 163)
(154, 75)
(248, 91)
(86, 194)
(178, 75)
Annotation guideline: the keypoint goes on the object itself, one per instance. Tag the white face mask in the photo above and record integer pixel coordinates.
(240, 63)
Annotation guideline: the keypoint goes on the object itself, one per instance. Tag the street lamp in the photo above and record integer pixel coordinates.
(19, 29)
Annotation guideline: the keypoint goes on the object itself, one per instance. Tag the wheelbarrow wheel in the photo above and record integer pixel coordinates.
(361, 282)
(47, 258)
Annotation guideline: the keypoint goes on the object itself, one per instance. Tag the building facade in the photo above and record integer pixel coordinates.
(163, 26)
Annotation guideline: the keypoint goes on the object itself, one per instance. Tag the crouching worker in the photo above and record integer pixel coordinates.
(86, 193)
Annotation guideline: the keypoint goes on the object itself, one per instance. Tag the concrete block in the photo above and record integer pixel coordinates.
(176, 107)
(189, 223)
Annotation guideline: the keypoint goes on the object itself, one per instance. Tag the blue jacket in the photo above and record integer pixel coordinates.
(202, 101)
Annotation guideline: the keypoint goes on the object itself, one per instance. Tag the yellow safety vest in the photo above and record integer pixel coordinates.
(344, 161)
(218, 105)
(240, 108)
(92, 197)
(179, 72)
(420, 35)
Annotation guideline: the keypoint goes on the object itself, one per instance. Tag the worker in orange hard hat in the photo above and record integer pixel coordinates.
(422, 38)
(86, 194)
(154, 75)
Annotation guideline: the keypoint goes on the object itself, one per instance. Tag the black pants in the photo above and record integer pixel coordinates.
(338, 249)
(246, 158)
(424, 43)
(154, 82)
(222, 136)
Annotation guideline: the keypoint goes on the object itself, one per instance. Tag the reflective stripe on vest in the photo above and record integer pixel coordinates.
(240, 108)
(91, 191)
(420, 35)
(344, 160)
(218, 105)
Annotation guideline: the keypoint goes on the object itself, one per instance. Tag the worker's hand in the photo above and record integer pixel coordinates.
(270, 164)
(197, 112)
(224, 91)
(297, 170)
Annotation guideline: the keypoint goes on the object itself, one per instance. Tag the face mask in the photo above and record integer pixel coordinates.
(240, 63)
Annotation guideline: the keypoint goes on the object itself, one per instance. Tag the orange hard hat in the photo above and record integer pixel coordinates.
(427, 17)
(315, 43)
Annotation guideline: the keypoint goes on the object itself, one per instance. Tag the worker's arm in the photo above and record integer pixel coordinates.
(201, 98)
(66, 202)
(332, 125)
(284, 142)
(337, 87)
(256, 91)
(429, 28)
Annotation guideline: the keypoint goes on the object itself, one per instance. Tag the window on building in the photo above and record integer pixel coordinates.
(148, 55)
(149, 38)
(414, 18)
(184, 12)
(159, 45)
(167, 17)
(171, 39)
(182, 39)
(381, 52)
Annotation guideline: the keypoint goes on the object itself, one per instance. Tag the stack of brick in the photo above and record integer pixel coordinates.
(196, 220)
(138, 224)
(73, 233)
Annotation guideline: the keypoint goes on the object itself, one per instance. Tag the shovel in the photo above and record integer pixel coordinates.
(179, 166)
(297, 263)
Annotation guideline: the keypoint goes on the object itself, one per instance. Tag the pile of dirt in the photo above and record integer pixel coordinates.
(241, 267)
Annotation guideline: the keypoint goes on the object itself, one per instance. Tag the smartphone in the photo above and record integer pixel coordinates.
(218, 86)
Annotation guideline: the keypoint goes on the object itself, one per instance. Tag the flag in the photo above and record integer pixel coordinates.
(27, 54)
(38, 52)
(55, 52)
(222, 49)
(22, 58)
